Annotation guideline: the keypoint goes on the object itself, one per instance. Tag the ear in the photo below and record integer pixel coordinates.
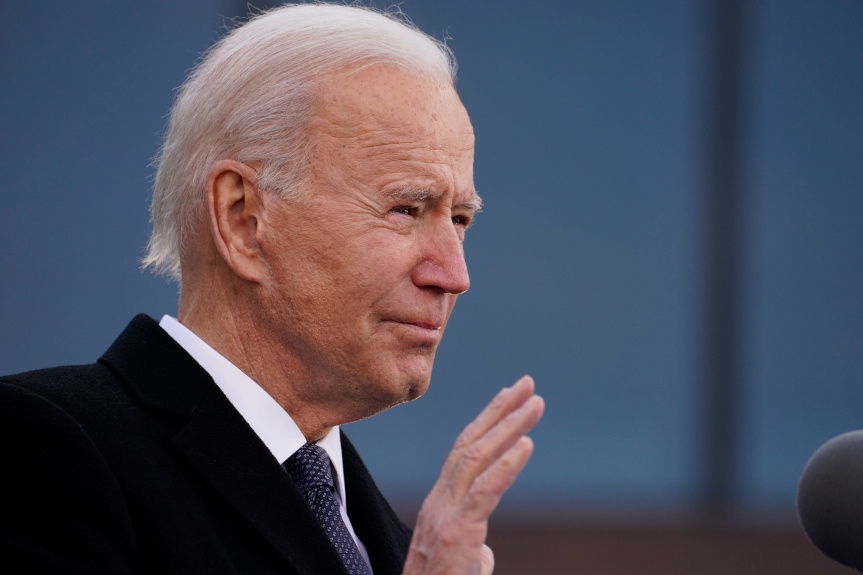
(234, 207)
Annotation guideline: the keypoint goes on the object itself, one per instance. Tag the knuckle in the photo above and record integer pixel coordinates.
(484, 488)
(463, 441)
(473, 455)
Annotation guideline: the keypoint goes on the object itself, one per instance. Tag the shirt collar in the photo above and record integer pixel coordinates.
(265, 416)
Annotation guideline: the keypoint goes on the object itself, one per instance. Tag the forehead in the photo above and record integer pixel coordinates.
(385, 96)
(384, 118)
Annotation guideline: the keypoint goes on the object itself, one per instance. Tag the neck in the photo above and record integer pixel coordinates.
(220, 316)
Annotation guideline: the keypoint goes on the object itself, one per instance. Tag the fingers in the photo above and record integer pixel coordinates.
(486, 560)
(487, 457)
(504, 403)
(469, 460)
(488, 489)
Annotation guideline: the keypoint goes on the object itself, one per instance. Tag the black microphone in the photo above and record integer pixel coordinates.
(830, 499)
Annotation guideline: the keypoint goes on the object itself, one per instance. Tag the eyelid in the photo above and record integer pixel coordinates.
(468, 219)
(411, 209)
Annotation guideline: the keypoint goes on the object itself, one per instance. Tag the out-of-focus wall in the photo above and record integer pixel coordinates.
(585, 263)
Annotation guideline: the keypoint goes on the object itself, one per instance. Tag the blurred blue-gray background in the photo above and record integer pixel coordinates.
(587, 263)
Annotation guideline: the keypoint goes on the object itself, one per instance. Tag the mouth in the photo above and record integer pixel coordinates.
(426, 329)
(424, 325)
(427, 325)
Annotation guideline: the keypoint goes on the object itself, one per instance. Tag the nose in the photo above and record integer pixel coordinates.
(443, 265)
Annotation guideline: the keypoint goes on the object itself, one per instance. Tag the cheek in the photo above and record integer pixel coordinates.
(379, 260)
(341, 268)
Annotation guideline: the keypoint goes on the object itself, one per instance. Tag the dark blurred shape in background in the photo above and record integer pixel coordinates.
(624, 151)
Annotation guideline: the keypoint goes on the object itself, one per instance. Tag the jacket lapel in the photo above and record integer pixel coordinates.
(221, 446)
(385, 536)
(227, 453)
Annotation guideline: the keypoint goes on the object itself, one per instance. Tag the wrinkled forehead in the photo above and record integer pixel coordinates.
(385, 102)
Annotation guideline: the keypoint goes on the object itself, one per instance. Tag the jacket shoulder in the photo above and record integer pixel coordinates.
(77, 389)
(51, 380)
(69, 514)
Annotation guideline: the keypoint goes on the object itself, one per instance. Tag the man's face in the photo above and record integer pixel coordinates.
(365, 272)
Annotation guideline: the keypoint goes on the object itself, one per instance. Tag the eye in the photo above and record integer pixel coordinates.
(404, 210)
(462, 221)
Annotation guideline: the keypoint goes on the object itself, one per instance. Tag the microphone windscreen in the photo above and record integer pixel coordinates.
(830, 499)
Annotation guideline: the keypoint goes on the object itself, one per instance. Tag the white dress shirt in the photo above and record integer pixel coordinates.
(265, 416)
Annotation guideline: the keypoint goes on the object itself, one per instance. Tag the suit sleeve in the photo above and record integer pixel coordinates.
(61, 508)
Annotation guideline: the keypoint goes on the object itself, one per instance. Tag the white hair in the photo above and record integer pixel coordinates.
(251, 97)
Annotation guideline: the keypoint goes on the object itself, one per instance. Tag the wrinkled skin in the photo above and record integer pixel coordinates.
(335, 303)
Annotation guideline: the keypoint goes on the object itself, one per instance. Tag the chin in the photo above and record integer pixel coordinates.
(417, 390)
(416, 376)
(401, 388)
(390, 383)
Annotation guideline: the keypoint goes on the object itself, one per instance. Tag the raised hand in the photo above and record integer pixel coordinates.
(452, 525)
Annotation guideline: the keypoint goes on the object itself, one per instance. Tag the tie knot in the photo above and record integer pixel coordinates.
(310, 467)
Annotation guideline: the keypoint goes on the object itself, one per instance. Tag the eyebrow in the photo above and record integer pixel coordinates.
(414, 194)
(474, 203)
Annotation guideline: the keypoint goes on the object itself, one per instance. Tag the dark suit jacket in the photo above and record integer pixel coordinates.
(139, 464)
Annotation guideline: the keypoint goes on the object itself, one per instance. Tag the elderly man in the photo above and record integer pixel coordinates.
(312, 195)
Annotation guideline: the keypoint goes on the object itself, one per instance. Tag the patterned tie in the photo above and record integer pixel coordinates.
(310, 469)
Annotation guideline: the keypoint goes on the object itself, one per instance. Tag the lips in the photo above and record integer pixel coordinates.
(433, 325)
(427, 316)
(425, 327)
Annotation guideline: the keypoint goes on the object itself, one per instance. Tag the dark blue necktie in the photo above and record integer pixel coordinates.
(310, 469)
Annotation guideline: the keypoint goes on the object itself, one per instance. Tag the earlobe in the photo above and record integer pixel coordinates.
(233, 207)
